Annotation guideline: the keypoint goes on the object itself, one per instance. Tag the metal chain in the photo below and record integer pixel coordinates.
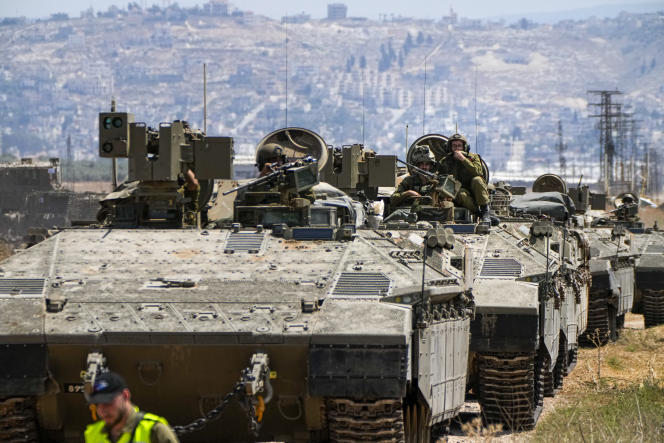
(212, 415)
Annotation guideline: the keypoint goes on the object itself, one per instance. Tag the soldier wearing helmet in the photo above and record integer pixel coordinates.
(467, 167)
(268, 157)
(413, 186)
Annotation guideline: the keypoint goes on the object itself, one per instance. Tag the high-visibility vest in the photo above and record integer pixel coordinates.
(94, 432)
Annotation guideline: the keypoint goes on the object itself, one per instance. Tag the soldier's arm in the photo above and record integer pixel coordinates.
(473, 164)
(398, 196)
(161, 433)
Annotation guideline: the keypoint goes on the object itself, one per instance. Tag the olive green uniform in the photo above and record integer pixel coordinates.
(470, 173)
(415, 212)
(410, 183)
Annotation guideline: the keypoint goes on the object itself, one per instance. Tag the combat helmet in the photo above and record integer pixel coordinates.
(422, 154)
(457, 136)
(269, 153)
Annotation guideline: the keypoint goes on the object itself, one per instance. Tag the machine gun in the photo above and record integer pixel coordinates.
(297, 176)
(445, 186)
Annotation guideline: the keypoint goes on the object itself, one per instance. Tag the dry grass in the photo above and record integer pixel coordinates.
(626, 403)
(651, 215)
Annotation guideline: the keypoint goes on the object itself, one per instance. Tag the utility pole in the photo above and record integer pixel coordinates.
(607, 113)
(562, 147)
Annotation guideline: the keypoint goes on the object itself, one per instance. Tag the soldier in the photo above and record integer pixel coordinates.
(416, 190)
(270, 156)
(466, 167)
(191, 189)
(268, 159)
(411, 187)
(120, 420)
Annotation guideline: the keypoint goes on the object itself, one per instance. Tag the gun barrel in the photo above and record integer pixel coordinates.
(421, 171)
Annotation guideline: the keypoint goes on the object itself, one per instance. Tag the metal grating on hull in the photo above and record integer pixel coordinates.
(244, 241)
(21, 286)
(501, 267)
(369, 284)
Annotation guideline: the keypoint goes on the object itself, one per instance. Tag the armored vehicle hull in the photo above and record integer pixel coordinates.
(613, 284)
(649, 298)
(530, 310)
(180, 313)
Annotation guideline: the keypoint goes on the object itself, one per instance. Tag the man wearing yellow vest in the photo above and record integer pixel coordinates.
(120, 420)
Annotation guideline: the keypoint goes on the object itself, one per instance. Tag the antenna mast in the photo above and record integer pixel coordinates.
(477, 148)
(424, 98)
(204, 98)
(286, 30)
(362, 108)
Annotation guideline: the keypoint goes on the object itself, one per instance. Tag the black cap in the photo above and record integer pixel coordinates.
(106, 387)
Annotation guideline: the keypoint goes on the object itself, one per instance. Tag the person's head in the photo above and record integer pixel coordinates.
(423, 158)
(111, 397)
(270, 153)
(458, 142)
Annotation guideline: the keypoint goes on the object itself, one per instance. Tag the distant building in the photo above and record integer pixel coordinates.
(296, 19)
(450, 19)
(336, 11)
(216, 8)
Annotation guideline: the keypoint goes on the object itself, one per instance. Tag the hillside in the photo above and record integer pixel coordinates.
(58, 74)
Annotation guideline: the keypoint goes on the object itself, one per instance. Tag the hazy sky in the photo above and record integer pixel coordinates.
(318, 8)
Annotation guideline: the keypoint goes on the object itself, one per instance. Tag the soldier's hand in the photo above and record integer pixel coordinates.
(411, 193)
(458, 155)
(268, 168)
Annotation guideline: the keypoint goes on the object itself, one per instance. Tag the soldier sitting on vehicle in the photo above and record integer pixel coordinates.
(467, 167)
(416, 189)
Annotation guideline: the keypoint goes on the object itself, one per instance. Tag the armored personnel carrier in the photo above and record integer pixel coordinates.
(530, 288)
(32, 196)
(650, 277)
(289, 322)
(612, 253)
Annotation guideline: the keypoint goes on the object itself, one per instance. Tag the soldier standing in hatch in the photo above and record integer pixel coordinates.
(467, 168)
(414, 187)
(120, 420)
(270, 156)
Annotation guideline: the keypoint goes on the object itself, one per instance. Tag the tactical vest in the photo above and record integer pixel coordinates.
(94, 432)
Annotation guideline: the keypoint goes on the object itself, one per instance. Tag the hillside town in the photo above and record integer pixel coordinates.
(519, 91)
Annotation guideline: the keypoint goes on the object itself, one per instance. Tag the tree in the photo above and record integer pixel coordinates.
(363, 62)
(420, 38)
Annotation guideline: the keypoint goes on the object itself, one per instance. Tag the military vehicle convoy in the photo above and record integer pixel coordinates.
(32, 196)
(530, 288)
(290, 320)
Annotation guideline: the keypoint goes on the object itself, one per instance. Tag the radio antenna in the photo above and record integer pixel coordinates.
(424, 98)
(406, 141)
(477, 148)
(363, 108)
(286, 31)
(204, 98)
